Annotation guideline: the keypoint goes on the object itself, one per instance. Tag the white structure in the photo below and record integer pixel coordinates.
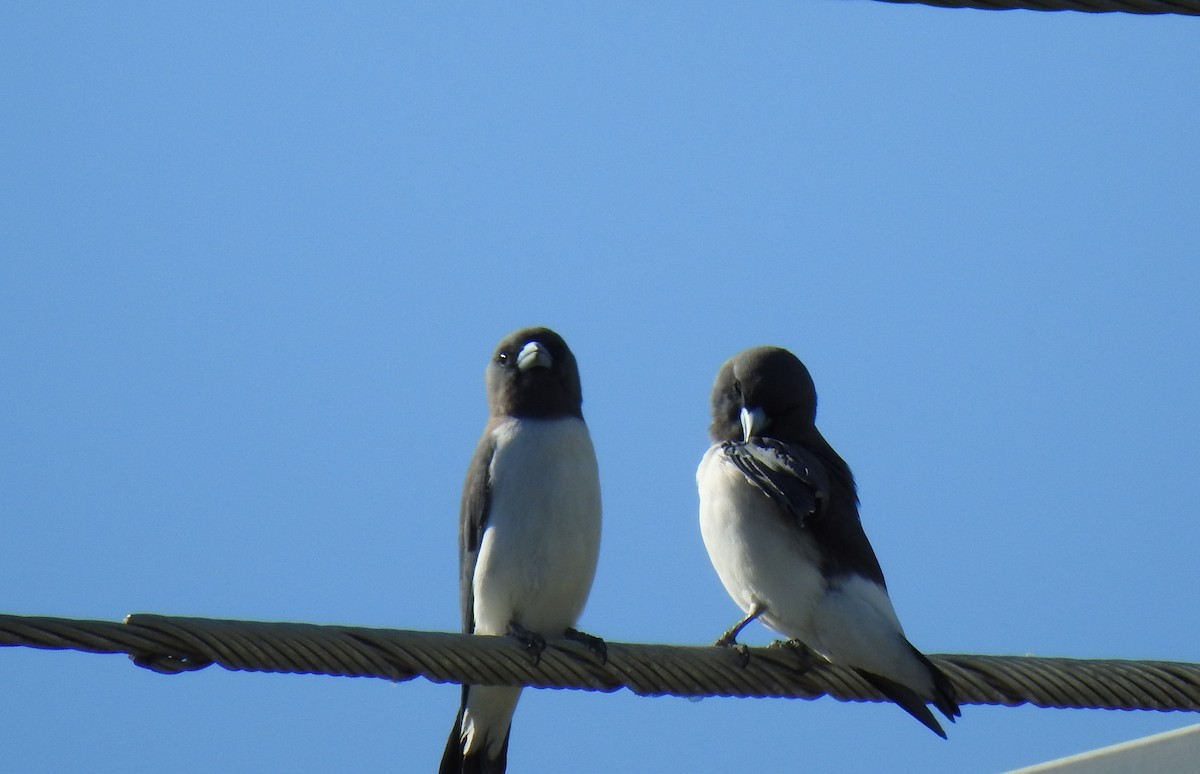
(1171, 752)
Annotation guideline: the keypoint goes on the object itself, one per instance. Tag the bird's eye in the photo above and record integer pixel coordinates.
(737, 387)
(503, 358)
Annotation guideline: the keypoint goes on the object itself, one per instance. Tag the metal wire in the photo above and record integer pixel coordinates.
(172, 644)
(1182, 7)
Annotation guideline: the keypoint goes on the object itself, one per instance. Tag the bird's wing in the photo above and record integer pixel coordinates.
(792, 477)
(473, 518)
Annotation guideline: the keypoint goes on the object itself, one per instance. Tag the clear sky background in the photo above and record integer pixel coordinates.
(255, 258)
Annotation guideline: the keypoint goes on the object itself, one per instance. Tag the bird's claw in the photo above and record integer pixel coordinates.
(726, 640)
(729, 640)
(533, 642)
(743, 654)
(806, 655)
(594, 644)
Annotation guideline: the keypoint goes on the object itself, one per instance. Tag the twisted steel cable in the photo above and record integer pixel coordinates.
(174, 644)
(1182, 7)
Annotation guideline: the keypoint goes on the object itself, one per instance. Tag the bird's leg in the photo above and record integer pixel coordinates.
(534, 643)
(594, 644)
(729, 638)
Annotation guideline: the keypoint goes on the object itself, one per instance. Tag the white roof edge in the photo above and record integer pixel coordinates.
(1171, 751)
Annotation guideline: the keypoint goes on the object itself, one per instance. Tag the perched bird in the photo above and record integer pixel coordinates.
(779, 517)
(529, 528)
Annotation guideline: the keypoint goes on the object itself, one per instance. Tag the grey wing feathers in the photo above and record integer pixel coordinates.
(788, 474)
(473, 516)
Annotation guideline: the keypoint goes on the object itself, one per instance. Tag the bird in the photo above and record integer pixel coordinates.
(779, 518)
(529, 528)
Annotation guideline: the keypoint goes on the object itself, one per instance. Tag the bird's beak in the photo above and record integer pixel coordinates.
(534, 355)
(753, 421)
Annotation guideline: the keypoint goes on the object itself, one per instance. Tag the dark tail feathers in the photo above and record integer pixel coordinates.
(912, 703)
(944, 697)
(456, 761)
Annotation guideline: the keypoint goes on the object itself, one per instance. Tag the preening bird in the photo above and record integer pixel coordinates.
(779, 517)
(529, 528)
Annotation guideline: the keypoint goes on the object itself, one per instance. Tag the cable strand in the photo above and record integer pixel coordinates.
(170, 645)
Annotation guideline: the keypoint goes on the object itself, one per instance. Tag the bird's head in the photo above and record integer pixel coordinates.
(532, 373)
(763, 391)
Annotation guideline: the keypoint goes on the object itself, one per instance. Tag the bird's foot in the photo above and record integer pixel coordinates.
(729, 640)
(596, 645)
(533, 642)
(806, 655)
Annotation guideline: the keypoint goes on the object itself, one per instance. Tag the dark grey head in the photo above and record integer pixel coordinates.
(763, 391)
(533, 374)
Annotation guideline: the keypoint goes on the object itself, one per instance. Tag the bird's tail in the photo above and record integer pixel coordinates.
(906, 698)
(912, 702)
(944, 697)
(457, 760)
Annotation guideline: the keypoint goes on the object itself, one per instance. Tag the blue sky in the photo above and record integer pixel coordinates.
(254, 259)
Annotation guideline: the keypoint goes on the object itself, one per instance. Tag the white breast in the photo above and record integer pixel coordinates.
(758, 554)
(763, 557)
(539, 549)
